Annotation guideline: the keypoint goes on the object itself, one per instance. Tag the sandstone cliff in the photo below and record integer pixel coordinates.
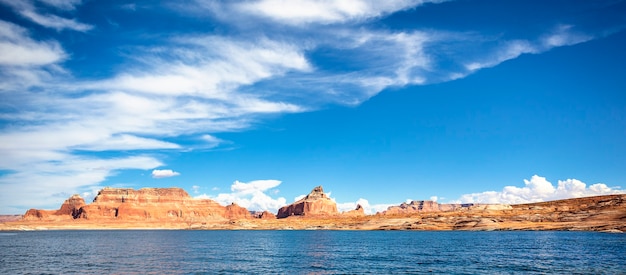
(151, 208)
(69, 210)
(316, 203)
(71, 206)
(265, 215)
(146, 204)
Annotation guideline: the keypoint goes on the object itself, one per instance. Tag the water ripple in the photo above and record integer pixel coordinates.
(311, 252)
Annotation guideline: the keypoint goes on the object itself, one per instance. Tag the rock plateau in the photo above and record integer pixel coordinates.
(173, 208)
(146, 204)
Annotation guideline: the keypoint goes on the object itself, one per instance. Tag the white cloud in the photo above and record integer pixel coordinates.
(18, 49)
(45, 182)
(115, 116)
(126, 142)
(62, 4)
(510, 50)
(563, 35)
(252, 195)
(299, 12)
(26, 9)
(368, 208)
(159, 174)
(224, 65)
(55, 22)
(196, 189)
(538, 189)
(199, 85)
(26, 62)
(211, 141)
(297, 198)
(253, 186)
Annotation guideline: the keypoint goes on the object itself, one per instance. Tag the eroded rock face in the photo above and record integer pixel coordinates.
(234, 211)
(71, 206)
(146, 204)
(266, 215)
(69, 209)
(37, 214)
(316, 203)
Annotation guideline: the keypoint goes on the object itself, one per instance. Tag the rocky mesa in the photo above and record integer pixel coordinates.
(146, 204)
(173, 208)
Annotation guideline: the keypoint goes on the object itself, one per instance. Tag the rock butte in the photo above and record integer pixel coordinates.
(173, 208)
(316, 203)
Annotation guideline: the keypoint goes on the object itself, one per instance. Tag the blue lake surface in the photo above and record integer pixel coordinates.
(311, 252)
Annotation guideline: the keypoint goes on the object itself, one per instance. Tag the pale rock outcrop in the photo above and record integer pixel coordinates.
(315, 204)
(415, 207)
(421, 207)
(358, 212)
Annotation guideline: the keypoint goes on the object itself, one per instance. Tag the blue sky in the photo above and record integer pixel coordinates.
(257, 102)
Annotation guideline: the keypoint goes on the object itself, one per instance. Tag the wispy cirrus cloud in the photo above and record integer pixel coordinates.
(18, 49)
(25, 62)
(28, 10)
(301, 12)
(63, 4)
(561, 35)
(55, 22)
(201, 84)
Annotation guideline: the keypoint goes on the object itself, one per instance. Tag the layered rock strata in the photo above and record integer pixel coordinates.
(172, 208)
(70, 209)
(146, 204)
(315, 204)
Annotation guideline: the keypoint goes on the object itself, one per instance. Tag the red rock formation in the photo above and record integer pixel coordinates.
(160, 209)
(265, 215)
(317, 203)
(37, 214)
(358, 212)
(71, 206)
(146, 204)
(69, 209)
(235, 211)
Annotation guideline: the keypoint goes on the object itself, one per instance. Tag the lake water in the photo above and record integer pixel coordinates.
(311, 252)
